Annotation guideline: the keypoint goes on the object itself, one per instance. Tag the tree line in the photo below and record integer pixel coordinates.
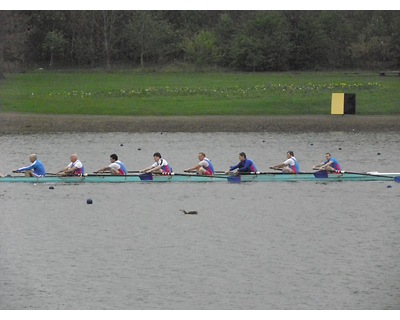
(232, 40)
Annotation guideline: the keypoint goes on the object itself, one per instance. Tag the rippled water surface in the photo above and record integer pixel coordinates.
(299, 245)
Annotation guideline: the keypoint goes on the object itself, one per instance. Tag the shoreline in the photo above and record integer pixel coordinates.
(16, 123)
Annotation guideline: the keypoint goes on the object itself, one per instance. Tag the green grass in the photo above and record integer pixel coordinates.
(134, 93)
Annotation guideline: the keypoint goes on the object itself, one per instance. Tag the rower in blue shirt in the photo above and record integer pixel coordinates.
(36, 169)
(245, 165)
(330, 164)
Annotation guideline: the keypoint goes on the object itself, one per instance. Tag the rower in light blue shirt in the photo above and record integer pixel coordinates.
(330, 164)
(36, 169)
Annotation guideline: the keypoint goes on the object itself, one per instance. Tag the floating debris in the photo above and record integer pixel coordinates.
(188, 212)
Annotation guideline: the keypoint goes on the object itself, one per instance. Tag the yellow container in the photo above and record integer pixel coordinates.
(337, 103)
(343, 103)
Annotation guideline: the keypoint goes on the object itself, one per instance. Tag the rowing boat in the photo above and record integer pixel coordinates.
(259, 177)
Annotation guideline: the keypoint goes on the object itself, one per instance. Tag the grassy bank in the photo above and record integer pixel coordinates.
(134, 93)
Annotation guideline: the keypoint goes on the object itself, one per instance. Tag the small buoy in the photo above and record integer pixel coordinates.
(51, 187)
(378, 153)
(312, 144)
(263, 140)
(139, 148)
(160, 132)
(340, 148)
(89, 201)
(389, 186)
(121, 144)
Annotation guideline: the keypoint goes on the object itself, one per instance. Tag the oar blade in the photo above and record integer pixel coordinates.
(234, 178)
(146, 176)
(321, 174)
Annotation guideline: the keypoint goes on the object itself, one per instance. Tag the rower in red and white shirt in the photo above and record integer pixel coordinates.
(159, 166)
(290, 165)
(204, 167)
(116, 167)
(74, 168)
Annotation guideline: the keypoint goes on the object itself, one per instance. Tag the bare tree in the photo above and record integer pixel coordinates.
(13, 33)
(106, 22)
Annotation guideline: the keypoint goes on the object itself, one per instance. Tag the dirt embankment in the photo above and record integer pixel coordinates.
(34, 123)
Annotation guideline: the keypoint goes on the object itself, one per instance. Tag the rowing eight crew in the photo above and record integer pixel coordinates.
(161, 166)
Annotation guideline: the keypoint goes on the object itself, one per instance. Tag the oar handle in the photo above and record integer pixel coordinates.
(197, 175)
(244, 173)
(51, 174)
(194, 171)
(275, 168)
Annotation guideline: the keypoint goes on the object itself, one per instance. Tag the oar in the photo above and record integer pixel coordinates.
(273, 173)
(107, 174)
(9, 175)
(254, 173)
(231, 178)
(395, 178)
(198, 175)
(23, 172)
(59, 175)
(146, 176)
(215, 171)
(138, 171)
(321, 174)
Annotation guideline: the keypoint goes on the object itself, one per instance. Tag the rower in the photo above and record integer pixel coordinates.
(35, 169)
(290, 165)
(330, 164)
(74, 168)
(204, 167)
(160, 165)
(245, 165)
(116, 167)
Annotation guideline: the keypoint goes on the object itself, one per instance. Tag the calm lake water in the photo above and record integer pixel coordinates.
(300, 245)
